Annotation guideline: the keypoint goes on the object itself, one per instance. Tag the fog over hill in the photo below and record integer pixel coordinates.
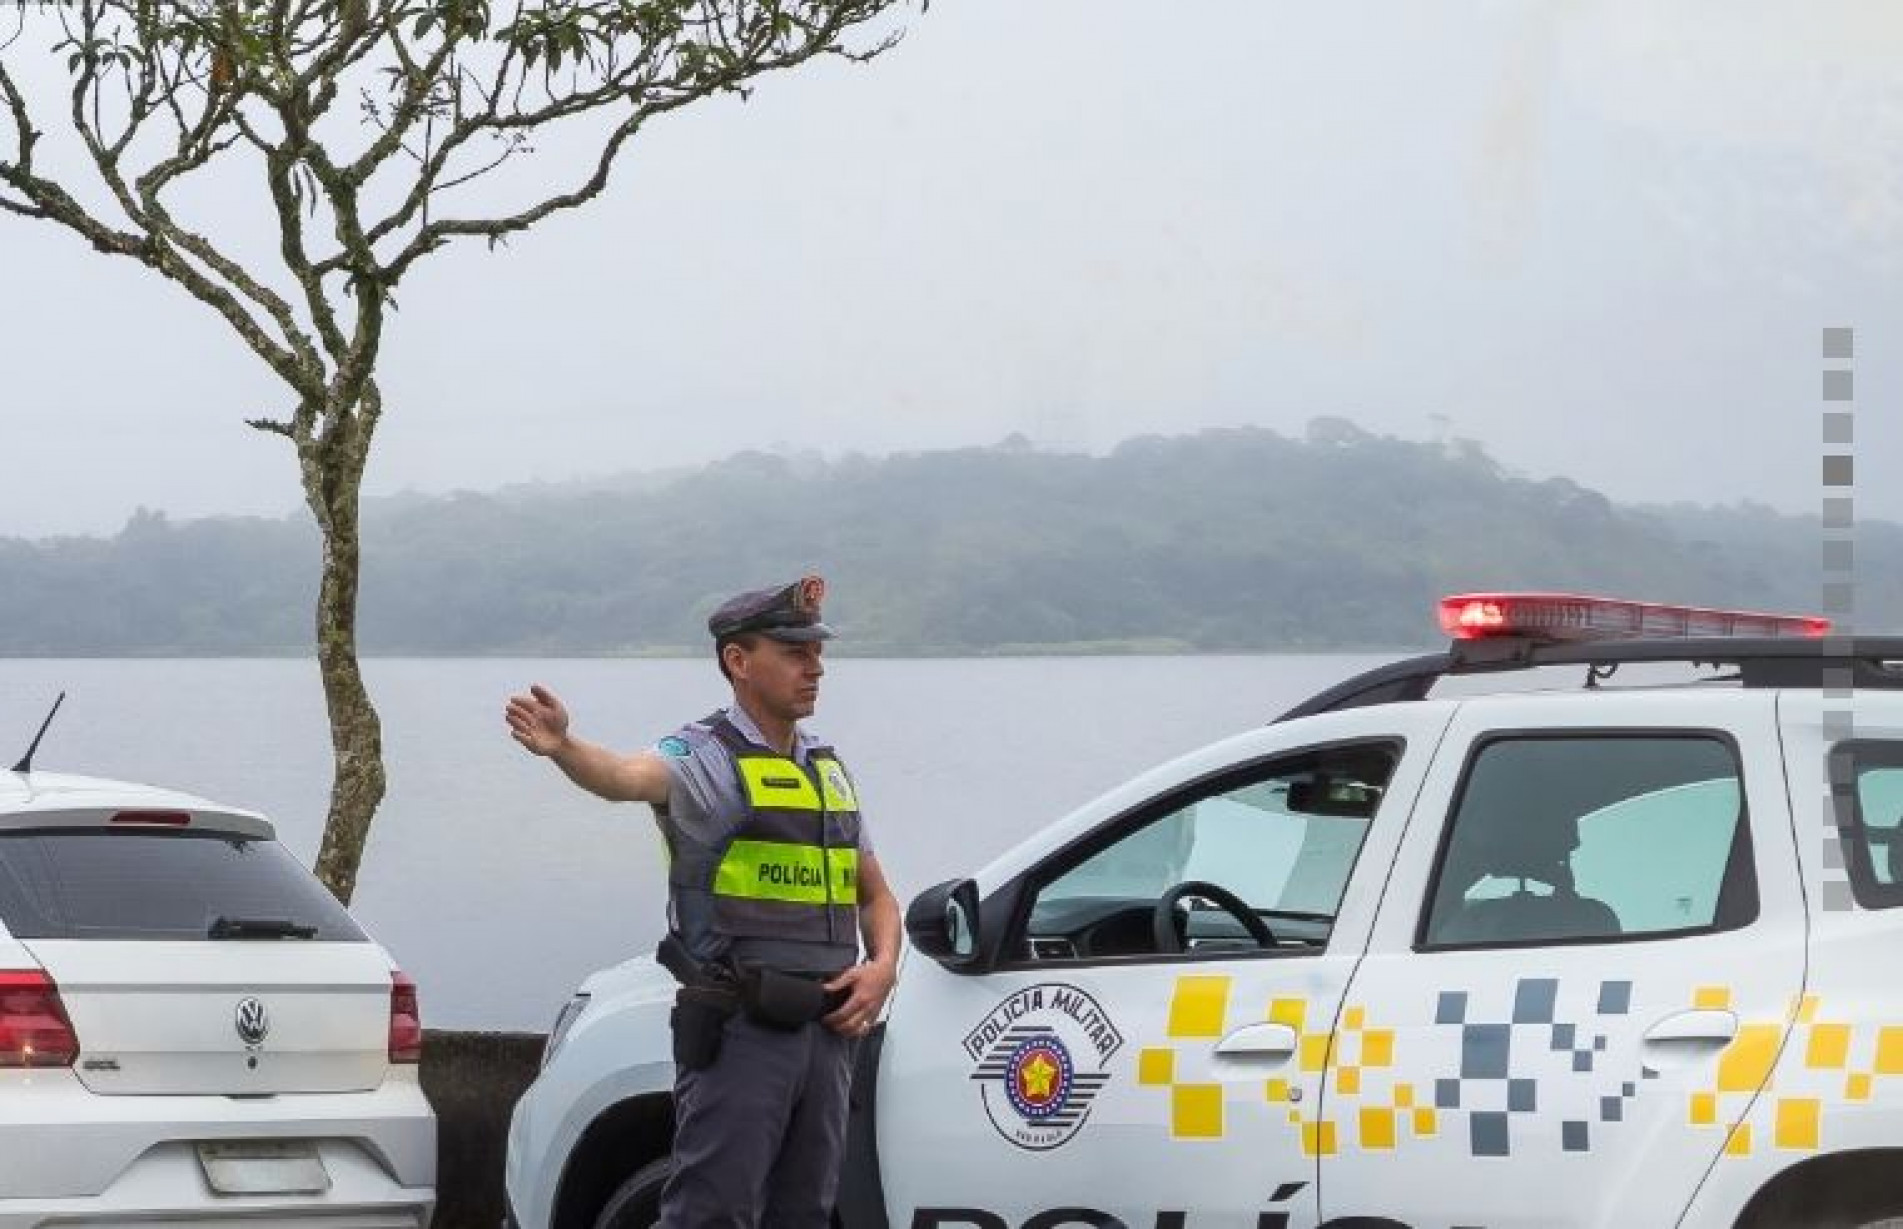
(1235, 540)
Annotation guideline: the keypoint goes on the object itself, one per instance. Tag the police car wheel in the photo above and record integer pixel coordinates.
(636, 1203)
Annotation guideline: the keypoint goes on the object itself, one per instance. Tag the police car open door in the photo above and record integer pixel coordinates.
(1581, 974)
(1148, 1046)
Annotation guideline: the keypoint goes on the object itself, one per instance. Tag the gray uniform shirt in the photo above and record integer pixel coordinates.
(703, 802)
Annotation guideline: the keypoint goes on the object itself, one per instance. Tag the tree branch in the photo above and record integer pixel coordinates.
(203, 67)
(755, 62)
(419, 83)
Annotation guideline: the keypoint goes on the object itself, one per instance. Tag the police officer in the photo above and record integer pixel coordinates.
(772, 882)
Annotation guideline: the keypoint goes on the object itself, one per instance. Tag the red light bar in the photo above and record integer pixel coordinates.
(172, 819)
(1572, 617)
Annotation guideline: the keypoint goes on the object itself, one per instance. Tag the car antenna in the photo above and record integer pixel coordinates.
(26, 761)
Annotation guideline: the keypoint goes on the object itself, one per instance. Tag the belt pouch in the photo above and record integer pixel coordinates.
(780, 1000)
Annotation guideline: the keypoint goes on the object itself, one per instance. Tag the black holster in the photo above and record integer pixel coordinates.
(699, 1020)
(705, 1002)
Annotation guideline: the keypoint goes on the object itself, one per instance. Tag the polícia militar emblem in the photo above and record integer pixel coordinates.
(1041, 1057)
(1038, 1077)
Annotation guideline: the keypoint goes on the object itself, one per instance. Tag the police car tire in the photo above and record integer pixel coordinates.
(636, 1203)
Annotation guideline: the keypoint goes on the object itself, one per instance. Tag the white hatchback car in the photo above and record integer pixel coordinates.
(192, 1030)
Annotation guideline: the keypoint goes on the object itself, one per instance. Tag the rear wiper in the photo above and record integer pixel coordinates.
(259, 928)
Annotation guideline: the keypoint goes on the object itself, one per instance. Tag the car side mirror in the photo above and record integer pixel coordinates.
(942, 922)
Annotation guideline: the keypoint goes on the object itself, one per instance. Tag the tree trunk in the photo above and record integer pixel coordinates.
(333, 478)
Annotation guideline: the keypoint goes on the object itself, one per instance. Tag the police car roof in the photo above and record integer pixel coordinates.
(1503, 631)
(1874, 662)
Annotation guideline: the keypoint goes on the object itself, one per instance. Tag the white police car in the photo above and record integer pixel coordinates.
(192, 1030)
(1611, 956)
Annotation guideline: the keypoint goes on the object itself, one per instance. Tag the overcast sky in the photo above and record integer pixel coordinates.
(1602, 238)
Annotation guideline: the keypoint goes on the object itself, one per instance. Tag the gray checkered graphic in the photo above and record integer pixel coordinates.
(1485, 1051)
(1488, 1134)
(1533, 1000)
(1491, 1092)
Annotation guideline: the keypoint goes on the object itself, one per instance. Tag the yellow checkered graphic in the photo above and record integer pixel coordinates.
(1156, 1066)
(1199, 1007)
(1744, 1066)
(1746, 1063)
(1797, 1123)
(1889, 1051)
(1829, 1047)
(1360, 1049)
(1377, 1130)
(1196, 1111)
(1200, 1010)
(1825, 1062)
(1846, 1061)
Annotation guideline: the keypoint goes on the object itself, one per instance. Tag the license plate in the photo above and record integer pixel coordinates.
(263, 1167)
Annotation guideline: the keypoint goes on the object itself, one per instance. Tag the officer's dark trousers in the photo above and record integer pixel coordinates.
(759, 1135)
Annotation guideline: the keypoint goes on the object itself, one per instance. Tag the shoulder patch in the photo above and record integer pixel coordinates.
(673, 746)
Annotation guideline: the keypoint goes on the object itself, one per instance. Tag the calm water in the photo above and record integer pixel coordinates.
(499, 885)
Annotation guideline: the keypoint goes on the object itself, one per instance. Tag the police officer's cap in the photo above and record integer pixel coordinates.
(791, 613)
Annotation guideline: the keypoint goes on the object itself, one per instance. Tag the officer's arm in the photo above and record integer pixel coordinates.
(539, 721)
(641, 777)
(868, 985)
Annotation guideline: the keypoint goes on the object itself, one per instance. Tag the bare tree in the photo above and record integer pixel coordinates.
(358, 124)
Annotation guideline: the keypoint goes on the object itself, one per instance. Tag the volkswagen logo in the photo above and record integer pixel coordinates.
(252, 1023)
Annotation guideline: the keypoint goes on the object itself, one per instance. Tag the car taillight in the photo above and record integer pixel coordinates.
(34, 1030)
(406, 1021)
(1569, 616)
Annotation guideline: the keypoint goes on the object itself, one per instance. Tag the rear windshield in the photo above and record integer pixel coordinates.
(114, 883)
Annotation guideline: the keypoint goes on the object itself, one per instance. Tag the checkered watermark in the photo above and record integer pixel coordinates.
(1839, 603)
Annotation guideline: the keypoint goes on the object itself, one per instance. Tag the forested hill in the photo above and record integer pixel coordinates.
(1231, 540)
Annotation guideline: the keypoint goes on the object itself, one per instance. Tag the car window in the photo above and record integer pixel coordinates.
(1872, 831)
(1658, 860)
(1881, 792)
(1598, 838)
(100, 883)
(1282, 840)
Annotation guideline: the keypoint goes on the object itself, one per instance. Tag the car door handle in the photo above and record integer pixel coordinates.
(1265, 1041)
(1694, 1030)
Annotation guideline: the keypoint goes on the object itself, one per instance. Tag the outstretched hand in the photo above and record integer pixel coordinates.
(539, 720)
(868, 986)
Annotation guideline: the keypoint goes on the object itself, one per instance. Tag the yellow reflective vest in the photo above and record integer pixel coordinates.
(789, 870)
